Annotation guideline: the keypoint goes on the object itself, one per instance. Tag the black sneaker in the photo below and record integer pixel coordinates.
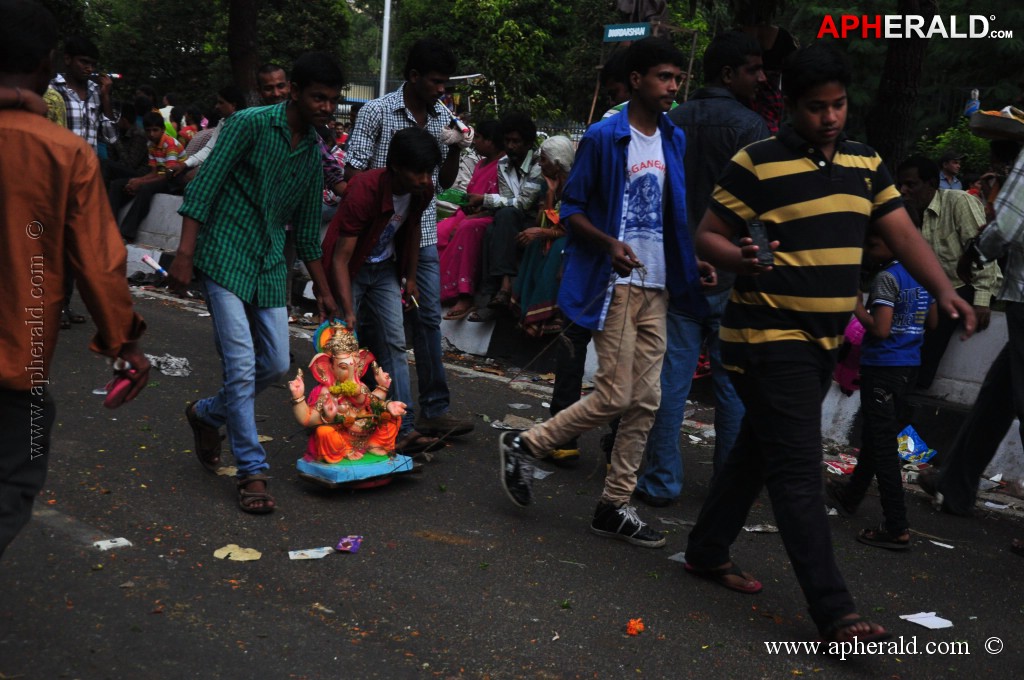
(516, 468)
(624, 524)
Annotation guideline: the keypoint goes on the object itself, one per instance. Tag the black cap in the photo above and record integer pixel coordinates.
(952, 156)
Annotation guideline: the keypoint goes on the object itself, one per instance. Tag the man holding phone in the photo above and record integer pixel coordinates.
(629, 253)
(816, 192)
(86, 94)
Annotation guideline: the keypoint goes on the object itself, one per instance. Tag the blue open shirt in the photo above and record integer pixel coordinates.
(595, 188)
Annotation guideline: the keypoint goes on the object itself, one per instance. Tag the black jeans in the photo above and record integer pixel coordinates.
(1000, 400)
(936, 341)
(570, 362)
(779, 447)
(500, 255)
(143, 199)
(882, 392)
(25, 421)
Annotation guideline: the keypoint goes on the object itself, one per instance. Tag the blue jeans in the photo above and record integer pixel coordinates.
(377, 286)
(663, 465)
(426, 337)
(253, 346)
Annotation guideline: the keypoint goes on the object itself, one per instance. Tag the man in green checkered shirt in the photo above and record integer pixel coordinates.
(264, 172)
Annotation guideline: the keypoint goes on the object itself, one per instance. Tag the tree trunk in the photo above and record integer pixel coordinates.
(891, 118)
(243, 40)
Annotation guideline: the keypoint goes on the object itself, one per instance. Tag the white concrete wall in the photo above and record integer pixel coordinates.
(158, 233)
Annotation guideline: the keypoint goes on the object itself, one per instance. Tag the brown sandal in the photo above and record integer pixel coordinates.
(248, 499)
(207, 439)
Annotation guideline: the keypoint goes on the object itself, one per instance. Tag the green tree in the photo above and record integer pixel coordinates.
(196, 49)
(960, 139)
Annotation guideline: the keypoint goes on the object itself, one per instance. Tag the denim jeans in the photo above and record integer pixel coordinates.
(663, 465)
(999, 401)
(779, 447)
(426, 337)
(882, 390)
(253, 346)
(377, 285)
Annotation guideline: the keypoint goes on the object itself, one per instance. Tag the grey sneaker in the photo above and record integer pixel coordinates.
(624, 524)
(516, 468)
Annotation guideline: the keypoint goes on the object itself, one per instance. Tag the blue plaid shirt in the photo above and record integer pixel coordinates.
(376, 124)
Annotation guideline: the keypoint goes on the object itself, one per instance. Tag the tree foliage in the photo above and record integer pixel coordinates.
(183, 46)
(541, 56)
(957, 138)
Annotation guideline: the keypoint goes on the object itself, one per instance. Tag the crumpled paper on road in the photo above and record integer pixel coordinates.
(176, 367)
(237, 553)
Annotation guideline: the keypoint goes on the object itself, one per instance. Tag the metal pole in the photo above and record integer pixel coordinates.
(385, 39)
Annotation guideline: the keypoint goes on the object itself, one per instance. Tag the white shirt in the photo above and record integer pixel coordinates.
(642, 209)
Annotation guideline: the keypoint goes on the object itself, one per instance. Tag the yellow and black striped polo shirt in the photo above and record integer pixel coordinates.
(819, 212)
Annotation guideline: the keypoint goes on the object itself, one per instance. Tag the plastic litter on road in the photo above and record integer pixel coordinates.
(928, 620)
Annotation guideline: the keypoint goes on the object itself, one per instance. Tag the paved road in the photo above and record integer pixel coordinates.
(451, 581)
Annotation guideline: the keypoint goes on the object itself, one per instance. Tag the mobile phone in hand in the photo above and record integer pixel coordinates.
(759, 235)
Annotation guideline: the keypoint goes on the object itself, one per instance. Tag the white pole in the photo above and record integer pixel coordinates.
(385, 39)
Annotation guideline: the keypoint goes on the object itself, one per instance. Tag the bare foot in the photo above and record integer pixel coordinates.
(852, 627)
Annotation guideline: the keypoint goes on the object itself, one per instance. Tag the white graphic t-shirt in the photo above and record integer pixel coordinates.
(384, 249)
(642, 227)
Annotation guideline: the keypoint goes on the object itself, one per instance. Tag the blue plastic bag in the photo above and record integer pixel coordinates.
(912, 447)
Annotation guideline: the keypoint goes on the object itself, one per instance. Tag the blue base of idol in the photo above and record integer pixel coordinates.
(354, 471)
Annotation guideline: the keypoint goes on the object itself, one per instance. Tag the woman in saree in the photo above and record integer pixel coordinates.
(460, 237)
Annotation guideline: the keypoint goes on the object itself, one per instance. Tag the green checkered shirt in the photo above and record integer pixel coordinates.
(249, 188)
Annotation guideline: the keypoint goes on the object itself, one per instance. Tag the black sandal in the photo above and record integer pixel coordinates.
(880, 538)
(248, 499)
(71, 316)
(501, 300)
(482, 315)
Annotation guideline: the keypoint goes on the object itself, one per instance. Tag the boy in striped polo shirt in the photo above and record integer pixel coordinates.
(816, 192)
(165, 154)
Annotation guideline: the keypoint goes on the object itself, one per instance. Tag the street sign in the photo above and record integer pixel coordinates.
(622, 32)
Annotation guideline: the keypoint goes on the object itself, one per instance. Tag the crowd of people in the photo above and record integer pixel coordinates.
(666, 226)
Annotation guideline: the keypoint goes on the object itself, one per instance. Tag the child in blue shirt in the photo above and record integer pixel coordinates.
(900, 308)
